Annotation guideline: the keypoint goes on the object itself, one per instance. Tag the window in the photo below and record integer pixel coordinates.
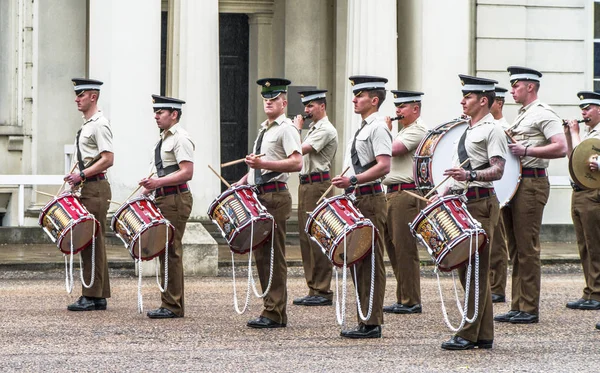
(7, 62)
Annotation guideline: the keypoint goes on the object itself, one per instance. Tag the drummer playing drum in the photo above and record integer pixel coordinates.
(174, 161)
(93, 142)
(585, 204)
(485, 145)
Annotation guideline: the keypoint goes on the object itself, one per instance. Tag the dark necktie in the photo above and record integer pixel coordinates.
(257, 171)
(79, 158)
(353, 152)
(462, 152)
(157, 157)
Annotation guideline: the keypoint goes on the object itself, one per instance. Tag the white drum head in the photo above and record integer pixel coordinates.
(441, 160)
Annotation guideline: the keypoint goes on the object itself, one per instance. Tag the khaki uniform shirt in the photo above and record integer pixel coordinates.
(484, 140)
(280, 140)
(95, 138)
(591, 133)
(322, 136)
(535, 124)
(373, 139)
(503, 123)
(177, 146)
(402, 167)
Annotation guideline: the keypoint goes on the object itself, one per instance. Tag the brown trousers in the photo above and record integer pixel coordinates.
(373, 207)
(523, 220)
(585, 211)
(499, 259)
(176, 208)
(317, 266)
(401, 246)
(95, 196)
(486, 211)
(278, 204)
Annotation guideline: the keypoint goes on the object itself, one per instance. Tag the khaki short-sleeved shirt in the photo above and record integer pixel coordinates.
(374, 139)
(322, 136)
(177, 146)
(503, 123)
(401, 170)
(280, 140)
(96, 137)
(534, 126)
(485, 139)
(591, 133)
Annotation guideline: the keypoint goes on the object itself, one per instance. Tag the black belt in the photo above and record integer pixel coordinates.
(274, 186)
(402, 186)
(169, 190)
(315, 177)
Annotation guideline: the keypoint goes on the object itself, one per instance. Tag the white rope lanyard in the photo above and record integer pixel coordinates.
(93, 270)
(270, 269)
(69, 270)
(157, 264)
(235, 301)
(341, 318)
(465, 309)
(372, 290)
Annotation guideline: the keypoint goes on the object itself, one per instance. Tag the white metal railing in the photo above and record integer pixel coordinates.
(22, 180)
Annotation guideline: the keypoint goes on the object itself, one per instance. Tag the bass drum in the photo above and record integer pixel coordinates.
(434, 155)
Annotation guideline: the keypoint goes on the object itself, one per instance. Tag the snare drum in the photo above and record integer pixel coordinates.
(65, 217)
(237, 212)
(336, 221)
(434, 156)
(446, 228)
(142, 228)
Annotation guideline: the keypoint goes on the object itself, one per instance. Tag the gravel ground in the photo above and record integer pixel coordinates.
(39, 334)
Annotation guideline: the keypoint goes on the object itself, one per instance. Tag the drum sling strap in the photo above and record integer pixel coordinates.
(462, 155)
(259, 178)
(79, 158)
(358, 168)
(160, 170)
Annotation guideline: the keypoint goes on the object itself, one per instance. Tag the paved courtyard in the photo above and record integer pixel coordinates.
(39, 334)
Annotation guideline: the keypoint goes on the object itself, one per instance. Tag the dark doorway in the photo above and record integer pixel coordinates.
(233, 67)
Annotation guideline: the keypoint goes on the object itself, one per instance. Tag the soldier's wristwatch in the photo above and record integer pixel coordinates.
(472, 175)
(82, 176)
(353, 180)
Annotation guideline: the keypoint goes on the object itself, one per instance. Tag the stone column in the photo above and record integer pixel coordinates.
(196, 68)
(370, 50)
(124, 52)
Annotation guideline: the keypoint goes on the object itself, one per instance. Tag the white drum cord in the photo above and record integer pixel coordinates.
(465, 308)
(235, 300)
(93, 269)
(341, 316)
(270, 269)
(372, 290)
(157, 264)
(69, 269)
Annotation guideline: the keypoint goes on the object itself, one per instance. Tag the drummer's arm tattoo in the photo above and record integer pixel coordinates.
(494, 172)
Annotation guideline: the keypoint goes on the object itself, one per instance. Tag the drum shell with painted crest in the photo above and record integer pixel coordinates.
(434, 155)
(65, 217)
(241, 218)
(335, 222)
(447, 229)
(142, 228)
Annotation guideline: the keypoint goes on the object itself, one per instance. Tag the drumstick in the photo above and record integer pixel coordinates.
(63, 184)
(331, 186)
(416, 195)
(446, 179)
(139, 186)
(510, 137)
(115, 202)
(220, 177)
(239, 161)
(45, 194)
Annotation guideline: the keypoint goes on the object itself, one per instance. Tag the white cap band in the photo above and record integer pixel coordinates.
(167, 105)
(500, 94)
(524, 77)
(478, 87)
(401, 100)
(589, 101)
(87, 87)
(362, 86)
(316, 96)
